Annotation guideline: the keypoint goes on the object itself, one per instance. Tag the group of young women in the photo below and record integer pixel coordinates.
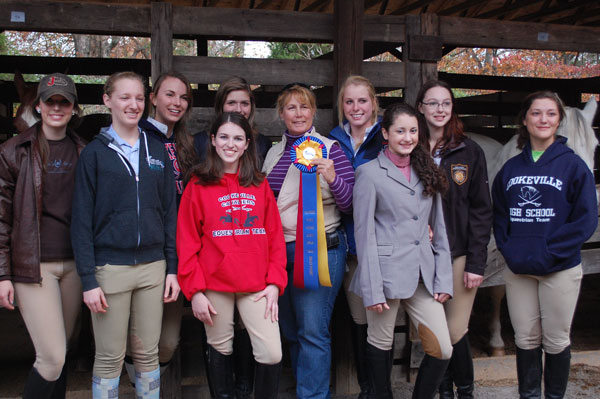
(411, 231)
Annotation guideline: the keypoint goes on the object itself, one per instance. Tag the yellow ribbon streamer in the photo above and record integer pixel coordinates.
(324, 278)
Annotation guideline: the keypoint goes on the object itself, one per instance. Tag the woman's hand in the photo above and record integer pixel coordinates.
(472, 280)
(171, 288)
(95, 300)
(441, 297)
(379, 308)
(202, 308)
(325, 168)
(7, 295)
(271, 292)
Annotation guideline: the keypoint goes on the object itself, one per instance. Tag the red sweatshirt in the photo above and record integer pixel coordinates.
(229, 238)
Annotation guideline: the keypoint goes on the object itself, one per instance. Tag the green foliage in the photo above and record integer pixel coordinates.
(298, 51)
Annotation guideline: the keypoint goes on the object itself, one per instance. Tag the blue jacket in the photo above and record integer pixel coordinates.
(367, 151)
(544, 211)
(119, 217)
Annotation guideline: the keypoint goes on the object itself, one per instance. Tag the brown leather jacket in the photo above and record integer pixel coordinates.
(21, 204)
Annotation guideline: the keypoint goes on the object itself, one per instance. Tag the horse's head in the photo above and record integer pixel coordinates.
(576, 126)
(24, 118)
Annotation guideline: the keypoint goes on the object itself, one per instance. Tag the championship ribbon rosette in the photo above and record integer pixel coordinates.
(310, 262)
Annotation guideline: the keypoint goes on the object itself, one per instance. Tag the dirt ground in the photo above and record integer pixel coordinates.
(495, 377)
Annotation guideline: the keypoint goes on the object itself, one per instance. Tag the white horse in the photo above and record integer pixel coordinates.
(577, 127)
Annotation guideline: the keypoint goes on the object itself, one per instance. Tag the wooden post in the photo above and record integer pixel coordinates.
(348, 41)
(414, 78)
(347, 60)
(422, 51)
(161, 46)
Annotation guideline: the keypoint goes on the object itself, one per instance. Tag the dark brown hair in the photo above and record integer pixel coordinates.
(211, 170)
(234, 83)
(522, 132)
(432, 177)
(186, 153)
(453, 130)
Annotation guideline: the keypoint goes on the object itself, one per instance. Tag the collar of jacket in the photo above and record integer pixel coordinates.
(395, 173)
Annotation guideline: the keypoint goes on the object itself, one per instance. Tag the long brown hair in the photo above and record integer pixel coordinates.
(523, 133)
(186, 153)
(432, 177)
(234, 83)
(453, 130)
(211, 170)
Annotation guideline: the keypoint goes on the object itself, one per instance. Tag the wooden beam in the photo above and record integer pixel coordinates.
(75, 17)
(162, 38)
(316, 5)
(207, 70)
(544, 12)
(465, 5)
(474, 32)
(385, 28)
(507, 8)
(410, 7)
(430, 28)
(73, 66)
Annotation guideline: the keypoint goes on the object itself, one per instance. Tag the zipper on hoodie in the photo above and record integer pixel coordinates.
(135, 175)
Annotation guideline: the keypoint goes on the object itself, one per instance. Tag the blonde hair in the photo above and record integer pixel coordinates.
(356, 80)
(303, 94)
(109, 86)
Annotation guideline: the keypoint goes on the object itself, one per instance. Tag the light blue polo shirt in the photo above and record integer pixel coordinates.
(132, 153)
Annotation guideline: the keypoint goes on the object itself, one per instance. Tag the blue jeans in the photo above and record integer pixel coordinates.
(304, 317)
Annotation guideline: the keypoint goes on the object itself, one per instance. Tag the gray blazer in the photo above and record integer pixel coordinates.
(391, 218)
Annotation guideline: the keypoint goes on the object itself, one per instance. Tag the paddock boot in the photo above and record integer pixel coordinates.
(379, 364)
(266, 381)
(220, 370)
(431, 373)
(461, 367)
(60, 385)
(359, 344)
(36, 387)
(243, 363)
(446, 389)
(529, 373)
(556, 373)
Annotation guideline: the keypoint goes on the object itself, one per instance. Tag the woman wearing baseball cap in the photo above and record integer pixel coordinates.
(37, 271)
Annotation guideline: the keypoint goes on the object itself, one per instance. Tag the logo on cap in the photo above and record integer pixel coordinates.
(57, 81)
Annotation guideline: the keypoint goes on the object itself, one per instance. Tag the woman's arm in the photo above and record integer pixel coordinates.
(442, 282)
(368, 272)
(7, 192)
(479, 221)
(82, 217)
(339, 174)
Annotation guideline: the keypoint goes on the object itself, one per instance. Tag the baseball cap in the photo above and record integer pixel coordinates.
(57, 83)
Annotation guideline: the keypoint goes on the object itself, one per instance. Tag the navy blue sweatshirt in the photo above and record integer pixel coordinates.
(118, 217)
(544, 211)
(367, 151)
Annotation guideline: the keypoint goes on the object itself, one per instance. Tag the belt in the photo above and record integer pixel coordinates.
(333, 239)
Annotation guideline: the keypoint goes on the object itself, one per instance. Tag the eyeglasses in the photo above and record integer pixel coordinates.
(435, 104)
(290, 85)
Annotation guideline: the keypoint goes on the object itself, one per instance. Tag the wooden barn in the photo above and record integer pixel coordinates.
(417, 33)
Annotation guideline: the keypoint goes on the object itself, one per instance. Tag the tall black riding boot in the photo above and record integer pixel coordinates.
(60, 385)
(430, 376)
(461, 367)
(529, 373)
(556, 373)
(220, 369)
(243, 362)
(266, 381)
(359, 344)
(379, 368)
(36, 387)
(446, 389)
